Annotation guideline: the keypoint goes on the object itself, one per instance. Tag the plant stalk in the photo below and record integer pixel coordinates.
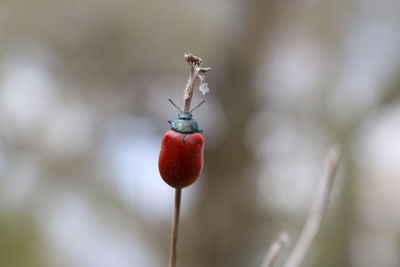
(195, 70)
(175, 227)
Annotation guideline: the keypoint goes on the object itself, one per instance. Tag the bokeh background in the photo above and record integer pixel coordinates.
(83, 107)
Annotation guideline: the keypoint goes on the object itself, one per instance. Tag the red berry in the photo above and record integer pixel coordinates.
(181, 158)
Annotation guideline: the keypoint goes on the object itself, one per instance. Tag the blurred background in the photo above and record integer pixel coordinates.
(83, 107)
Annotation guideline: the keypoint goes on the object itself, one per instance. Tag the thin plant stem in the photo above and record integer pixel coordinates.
(175, 227)
(189, 89)
(195, 70)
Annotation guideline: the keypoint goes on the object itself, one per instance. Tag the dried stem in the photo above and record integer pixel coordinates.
(195, 70)
(317, 210)
(175, 227)
(273, 252)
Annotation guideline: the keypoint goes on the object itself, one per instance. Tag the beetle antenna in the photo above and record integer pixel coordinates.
(201, 103)
(178, 108)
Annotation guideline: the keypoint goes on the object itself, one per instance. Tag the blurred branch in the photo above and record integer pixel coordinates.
(281, 242)
(317, 210)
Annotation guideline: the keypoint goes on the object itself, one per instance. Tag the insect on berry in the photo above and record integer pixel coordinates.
(182, 151)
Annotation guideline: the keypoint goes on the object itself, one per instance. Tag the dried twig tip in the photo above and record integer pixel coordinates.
(276, 248)
(284, 238)
(193, 60)
(196, 72)
(333, 155)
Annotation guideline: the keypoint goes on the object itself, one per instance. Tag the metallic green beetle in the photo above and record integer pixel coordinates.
(185, 123)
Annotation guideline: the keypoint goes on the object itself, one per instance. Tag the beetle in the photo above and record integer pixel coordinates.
(181, 157)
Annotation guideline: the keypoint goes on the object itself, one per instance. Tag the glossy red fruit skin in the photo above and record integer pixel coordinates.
(181, 158)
